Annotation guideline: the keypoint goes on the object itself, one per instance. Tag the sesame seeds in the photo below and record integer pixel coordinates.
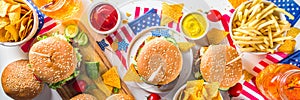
(59, 65)
(18, 78)
(160, 52)
(213, 65)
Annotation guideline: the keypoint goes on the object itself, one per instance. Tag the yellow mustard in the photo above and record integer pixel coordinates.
(194, 25)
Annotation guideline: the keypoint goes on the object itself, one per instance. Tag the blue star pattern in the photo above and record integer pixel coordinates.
(122, 45)
(293, 59)
(161, 32)
(290, 6)
(102, 44)
(40, 16)
(151, 18)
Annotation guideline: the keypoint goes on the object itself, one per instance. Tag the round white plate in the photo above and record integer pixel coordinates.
(186, 56)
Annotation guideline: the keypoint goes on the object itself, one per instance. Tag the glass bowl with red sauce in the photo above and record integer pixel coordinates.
(104, 18)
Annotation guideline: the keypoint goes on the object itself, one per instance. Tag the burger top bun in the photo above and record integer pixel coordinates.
(159, 57)
(83, 97)
(18, 81)
(53, 59)
(214, 69)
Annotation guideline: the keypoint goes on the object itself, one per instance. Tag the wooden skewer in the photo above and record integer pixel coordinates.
(235, 59)
(40, 54)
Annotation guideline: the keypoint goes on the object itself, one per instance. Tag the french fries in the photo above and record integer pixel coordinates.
(257, 27)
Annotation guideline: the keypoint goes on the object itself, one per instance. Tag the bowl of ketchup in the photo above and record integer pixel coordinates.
(104, 18)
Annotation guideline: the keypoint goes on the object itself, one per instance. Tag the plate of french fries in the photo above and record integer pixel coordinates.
(259, 27)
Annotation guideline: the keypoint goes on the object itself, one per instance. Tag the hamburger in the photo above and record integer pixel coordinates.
(53, 60)
(83, 97)
(158, 61)
(219, 64)
(18, 81)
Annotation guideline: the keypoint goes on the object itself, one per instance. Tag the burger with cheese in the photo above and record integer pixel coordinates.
(158, 61)
(53, 60)
(221, 63)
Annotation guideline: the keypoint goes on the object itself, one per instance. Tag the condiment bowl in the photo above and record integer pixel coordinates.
(90, 11)
(202, 20)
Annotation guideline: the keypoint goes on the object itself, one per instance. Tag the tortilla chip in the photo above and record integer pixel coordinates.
(3, 22)
(20, 1)
(24, 22)
(4, 8)
(14, 16)
(2, 35)
(294, 31)
(22, 28)
(131, 75)
(110, 88)
(7, 36)
(14, 7)
(216, 36)
(212, 89)
(24, 16)
(197, 83)
(185, 46)
(218, 97)
(23, 11)
(173, 12)
(205, 93)
(247, 76)
(24, 6)
(29, 23)
(11, 28)
(11, 2)
(111, 77)
(288, 46)
(165, 20)
(236, 3)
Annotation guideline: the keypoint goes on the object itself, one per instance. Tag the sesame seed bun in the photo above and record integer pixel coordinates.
(159, 52)
(214, 69)
(18, 81)
(53, 59)
(83, 97)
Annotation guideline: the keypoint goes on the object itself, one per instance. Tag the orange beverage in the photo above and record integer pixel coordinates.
(59, 9)
(280, 82)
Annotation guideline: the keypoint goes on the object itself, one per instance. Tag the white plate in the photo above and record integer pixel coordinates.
(186, 56)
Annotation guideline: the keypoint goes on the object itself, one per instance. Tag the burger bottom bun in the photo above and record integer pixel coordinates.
(18, 81)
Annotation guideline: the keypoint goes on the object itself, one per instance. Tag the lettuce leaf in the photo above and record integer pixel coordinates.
(60, 83)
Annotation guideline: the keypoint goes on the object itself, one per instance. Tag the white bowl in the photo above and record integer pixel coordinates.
(180, 92)
(32, 32)
(206, 23)
(281, 16)
(111, 30)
